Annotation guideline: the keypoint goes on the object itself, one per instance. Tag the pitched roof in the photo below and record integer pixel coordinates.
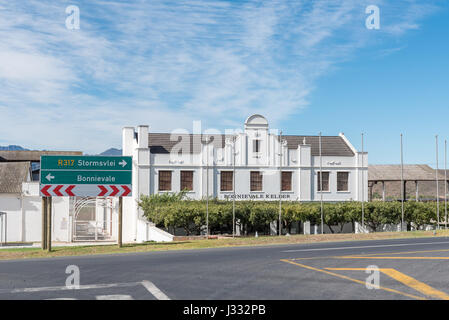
(331, 145)
(392, 172)
(16, 155)
(12, 174)
(189, 143)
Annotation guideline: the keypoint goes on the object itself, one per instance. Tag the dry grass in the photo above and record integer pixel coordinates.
(8, 254)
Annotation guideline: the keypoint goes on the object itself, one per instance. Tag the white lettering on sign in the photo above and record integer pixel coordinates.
(85, 163)
(80, 178)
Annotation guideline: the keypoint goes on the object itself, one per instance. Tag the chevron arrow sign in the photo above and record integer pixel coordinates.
(85, 176)
(82, 190)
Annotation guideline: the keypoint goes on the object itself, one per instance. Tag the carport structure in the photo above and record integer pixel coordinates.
(412, 173)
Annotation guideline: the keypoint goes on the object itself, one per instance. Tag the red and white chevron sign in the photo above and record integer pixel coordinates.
(85, 190)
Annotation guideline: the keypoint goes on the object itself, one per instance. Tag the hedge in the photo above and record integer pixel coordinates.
(170, 211)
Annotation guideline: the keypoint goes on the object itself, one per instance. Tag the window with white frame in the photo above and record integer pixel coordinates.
(325, 184)
(342, 181)
(164, 180)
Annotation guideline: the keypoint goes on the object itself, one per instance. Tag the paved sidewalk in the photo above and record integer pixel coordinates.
(57, 244)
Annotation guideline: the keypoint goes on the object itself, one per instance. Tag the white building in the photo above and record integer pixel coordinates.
(206, 164)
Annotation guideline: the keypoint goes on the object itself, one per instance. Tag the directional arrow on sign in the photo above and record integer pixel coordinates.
(122, 163)
(49, 177)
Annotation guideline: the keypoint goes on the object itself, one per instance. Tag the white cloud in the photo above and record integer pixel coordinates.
(166, 64)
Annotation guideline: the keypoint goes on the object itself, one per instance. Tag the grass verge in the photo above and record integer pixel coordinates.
(23, 253)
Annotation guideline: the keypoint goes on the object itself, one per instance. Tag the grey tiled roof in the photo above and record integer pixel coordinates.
(190, 143)
(12, 174)
(412, 172)
(331, 145)
(8, 155)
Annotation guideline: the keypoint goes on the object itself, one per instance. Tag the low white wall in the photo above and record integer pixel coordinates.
(24, 218)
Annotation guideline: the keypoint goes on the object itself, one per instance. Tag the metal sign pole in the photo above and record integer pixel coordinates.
(120, 220)
(49, 210)
(44, 223)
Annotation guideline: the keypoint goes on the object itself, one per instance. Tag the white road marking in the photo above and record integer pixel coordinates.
(361, 247)
(115, 297)
(151, 288)
(154, 290)
(63, 288)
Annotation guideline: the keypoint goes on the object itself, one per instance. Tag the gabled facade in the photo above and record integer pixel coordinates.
(247, 165)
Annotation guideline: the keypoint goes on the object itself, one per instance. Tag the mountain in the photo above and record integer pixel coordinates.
(111, 152)
(12, 148)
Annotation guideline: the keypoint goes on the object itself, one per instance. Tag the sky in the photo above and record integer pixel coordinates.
(308, 66)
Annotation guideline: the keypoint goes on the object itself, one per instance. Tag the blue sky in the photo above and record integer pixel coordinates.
(308, 66)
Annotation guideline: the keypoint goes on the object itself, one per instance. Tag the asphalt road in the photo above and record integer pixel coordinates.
(407, 268)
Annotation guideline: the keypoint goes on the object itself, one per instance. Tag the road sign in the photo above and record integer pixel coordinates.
(85, 176)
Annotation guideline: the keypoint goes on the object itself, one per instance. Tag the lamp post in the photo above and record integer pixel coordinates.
(233, 184)
(402, 184)
(207, 187)
(321, 187)
(280, 183)
(437, 182)
(445, 184)
(363, 186)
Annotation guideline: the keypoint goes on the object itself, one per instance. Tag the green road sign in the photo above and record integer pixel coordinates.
(85, 176)
(86, 163)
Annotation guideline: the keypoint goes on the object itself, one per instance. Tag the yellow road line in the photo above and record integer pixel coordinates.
(404, 279)
(394, 253)
(369, 255)
(351, 279)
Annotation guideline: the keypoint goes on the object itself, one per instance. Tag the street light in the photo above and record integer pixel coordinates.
(321, 187)
(280, 183)
(402, 185)
(234, 138)
(438, 191)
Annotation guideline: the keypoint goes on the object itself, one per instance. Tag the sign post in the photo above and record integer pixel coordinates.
(44, 223)
(83, 176)
(120, 219)
(49, 205)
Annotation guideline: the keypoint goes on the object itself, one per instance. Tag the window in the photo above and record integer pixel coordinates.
(187, 180)
(256, 181)
(286, 181)
(164, 180)
(256, 146)
(226, 180)
(342, 181)
(325, 181)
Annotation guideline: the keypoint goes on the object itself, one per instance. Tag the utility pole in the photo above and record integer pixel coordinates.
(321, 187)
(402, 184)
(438, 191)
(280, 183)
